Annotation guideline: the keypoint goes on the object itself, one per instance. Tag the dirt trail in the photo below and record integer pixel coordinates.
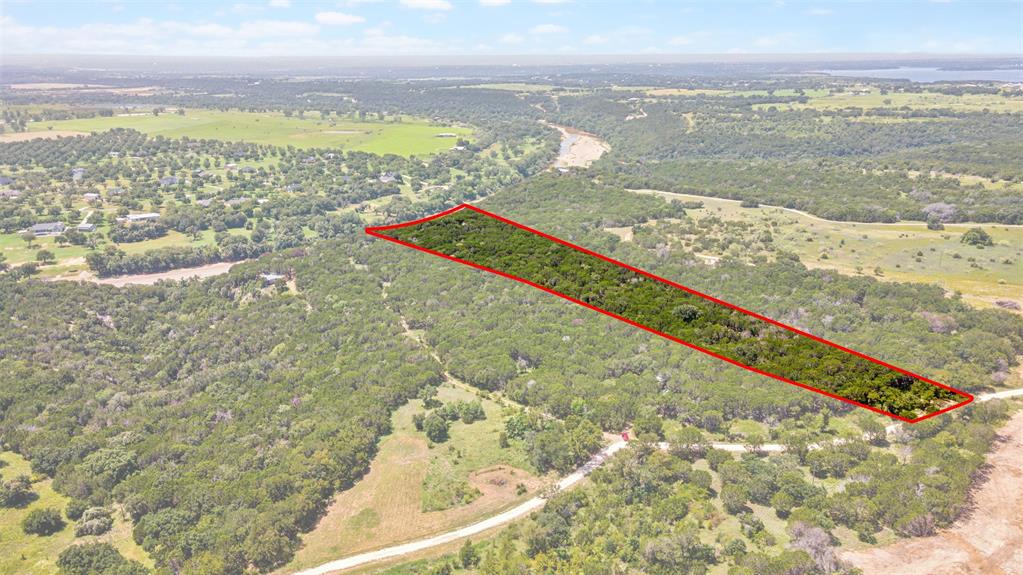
(990, 540)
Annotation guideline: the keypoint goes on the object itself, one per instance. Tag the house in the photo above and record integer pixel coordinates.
(146, 217)
(270, 277)
(6, 181)
(248, 170)
(91, 197)
(169, 181)
(48, 229)
(293, 187)
(231, 166)
(115, 191)
(204, 203)
(388, 178)
(77, 173)
(10, 194)
(86, 227)
(458, 148)
(309, 160)
(236, 201)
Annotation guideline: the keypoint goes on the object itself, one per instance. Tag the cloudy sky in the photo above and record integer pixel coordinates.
(420, 27)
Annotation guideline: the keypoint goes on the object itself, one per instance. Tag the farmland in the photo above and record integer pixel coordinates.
(403, 136)
(905, 251)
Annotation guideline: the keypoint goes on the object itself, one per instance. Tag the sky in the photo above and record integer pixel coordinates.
(351, 28)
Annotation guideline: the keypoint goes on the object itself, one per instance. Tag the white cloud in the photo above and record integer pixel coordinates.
(280, 3)
(595, 39)
(338, 19)
(680, 41)
(819, 12)
(773, 41)
(511, 39)
(258, 38)
(427, 4)
(547, 29)
(552, 1)
(494, 2)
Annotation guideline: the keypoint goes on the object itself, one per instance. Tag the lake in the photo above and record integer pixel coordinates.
(933, 74)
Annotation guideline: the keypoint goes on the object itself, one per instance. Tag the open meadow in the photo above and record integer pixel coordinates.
(34, 554)
(407, 137)
(387, 506)
(905, 251)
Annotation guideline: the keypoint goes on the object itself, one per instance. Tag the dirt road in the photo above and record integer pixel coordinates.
(990, 540)
(470, 530)
(1005, 480)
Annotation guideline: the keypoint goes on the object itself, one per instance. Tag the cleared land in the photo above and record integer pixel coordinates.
(385, 507)
(34, 554)
(407, 137)
(905, 251)
(989, 541)
(48, 134)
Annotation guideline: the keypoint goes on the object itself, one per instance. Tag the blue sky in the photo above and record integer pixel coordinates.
(399, 27)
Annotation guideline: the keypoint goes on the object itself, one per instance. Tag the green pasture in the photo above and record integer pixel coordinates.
(408, 137)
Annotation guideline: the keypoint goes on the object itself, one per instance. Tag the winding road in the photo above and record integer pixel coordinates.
(536, 503)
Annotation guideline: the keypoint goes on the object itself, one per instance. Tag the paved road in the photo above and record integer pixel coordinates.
(537, 502)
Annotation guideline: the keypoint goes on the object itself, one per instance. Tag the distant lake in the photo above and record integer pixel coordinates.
(933, 74)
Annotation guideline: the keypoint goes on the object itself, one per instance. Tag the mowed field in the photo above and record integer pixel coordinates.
(408, 137)
(905, 251)
(70, 259)
(385, 507)
(33, 554)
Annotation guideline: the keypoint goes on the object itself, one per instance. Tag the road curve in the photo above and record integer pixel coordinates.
(535, 503)
(497, 520)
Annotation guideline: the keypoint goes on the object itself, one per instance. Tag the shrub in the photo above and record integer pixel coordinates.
(42, 522)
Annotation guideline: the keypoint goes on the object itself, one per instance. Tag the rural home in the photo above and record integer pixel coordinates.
(10, 194)
(47, 229)
(146, 217)
(86, 227)
(169, 181)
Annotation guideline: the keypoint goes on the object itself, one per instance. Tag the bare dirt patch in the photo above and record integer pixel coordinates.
(205, 271)
(48, 134)
(579, 149)
(501, 481)
(989, 540)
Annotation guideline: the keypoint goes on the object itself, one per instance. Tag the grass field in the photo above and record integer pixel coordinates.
(905, 251)
(384, 508)
(917, 101)
(33, 554)
(408, 137)
(71, 259)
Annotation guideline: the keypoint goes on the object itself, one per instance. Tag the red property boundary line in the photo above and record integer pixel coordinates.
(375, 232)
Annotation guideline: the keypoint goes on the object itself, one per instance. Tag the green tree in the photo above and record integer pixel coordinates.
(467, 555)
(436, 428)
(45, 257)
(96, 559)
(977, 237)
(42, 522)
